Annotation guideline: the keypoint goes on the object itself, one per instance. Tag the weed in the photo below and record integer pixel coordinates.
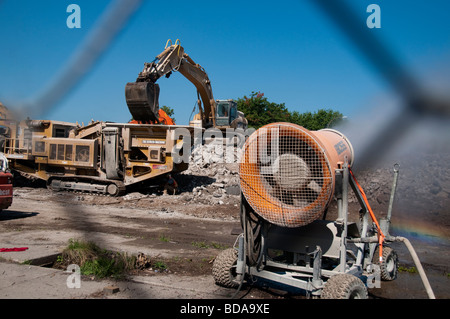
(160, 265)
(203, 244)
(411, 270)
(218, 246)
(94, 260)
(200, 244)
(163, 238)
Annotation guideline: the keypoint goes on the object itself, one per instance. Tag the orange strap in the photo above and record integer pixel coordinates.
(372, 215)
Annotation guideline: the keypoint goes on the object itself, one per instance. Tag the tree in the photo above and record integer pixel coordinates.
(318, 120)
(259, 112)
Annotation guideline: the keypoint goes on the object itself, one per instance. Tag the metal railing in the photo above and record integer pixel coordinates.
(12, 146)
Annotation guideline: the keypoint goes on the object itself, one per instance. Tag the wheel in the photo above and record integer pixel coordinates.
(112, 189)
(54, 185)
(252, 225)
(224, 268)
(389, 265)
(344, 286)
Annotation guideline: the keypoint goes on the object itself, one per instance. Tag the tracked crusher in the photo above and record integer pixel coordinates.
(106, 158)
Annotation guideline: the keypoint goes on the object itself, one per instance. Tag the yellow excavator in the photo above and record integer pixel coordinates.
(107, 158)
(142, 96)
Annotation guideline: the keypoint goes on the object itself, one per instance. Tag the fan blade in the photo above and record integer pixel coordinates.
(314, 186)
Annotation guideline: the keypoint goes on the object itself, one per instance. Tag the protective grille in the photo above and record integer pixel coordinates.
(285, 175)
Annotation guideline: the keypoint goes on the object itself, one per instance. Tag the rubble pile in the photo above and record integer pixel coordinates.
(211, 177)
(423, 184)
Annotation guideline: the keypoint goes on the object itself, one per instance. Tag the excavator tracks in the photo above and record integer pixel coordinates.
(87, 185)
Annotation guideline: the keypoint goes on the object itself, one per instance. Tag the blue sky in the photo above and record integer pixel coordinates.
(289, 50)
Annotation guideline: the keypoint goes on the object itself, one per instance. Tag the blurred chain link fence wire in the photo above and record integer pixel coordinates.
(114, 19)
(415, 100)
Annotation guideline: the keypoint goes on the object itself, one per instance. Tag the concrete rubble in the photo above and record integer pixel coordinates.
(209, 180)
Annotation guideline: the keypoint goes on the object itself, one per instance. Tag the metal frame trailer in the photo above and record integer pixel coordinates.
(327, 259)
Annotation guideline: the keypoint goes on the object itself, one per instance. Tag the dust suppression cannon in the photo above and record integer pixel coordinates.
(288, 177)
(287, 173)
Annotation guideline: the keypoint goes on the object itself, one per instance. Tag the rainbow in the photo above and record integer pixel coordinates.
(420, 230)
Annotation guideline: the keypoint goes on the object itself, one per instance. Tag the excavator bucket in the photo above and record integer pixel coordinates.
(142, 100)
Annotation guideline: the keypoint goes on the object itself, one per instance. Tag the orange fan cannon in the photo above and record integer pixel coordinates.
(288, 177)
(287, 173)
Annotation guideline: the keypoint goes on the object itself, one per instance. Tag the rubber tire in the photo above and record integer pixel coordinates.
(389, 265)
(223, 268)
(344, 286)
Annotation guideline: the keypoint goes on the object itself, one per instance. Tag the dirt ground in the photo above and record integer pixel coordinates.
(183, 233)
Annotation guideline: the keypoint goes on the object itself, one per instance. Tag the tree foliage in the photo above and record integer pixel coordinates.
(259, 112)
(318, 120)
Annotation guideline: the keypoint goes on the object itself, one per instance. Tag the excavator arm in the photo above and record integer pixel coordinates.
(142, 95)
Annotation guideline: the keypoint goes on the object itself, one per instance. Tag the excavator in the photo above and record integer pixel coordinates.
(142, 96)
(107, 158)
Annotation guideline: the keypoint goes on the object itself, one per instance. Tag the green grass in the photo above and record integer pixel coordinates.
(411, 270)
(203, 244)
(200, 244)
(164, 238)
(95, 261)
(101, 263)
(160, 265)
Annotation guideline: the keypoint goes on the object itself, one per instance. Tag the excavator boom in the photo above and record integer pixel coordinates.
(142, 96)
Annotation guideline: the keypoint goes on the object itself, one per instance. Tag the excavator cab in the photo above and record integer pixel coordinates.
(226, 112)
(228, 116)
